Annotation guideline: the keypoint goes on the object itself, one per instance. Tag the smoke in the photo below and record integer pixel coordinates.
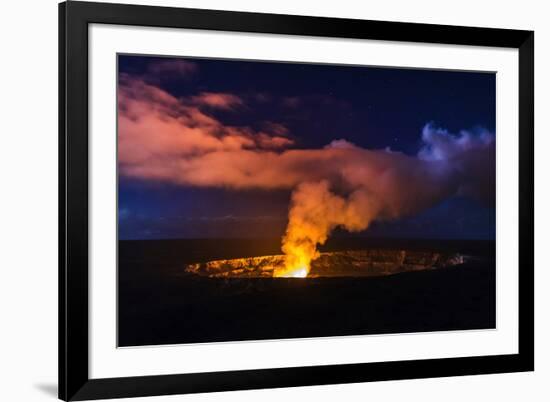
(174, 140)
(315, 211)
(382, 185)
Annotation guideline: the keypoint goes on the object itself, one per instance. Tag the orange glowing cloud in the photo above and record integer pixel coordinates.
(217, 100)
(165, 138)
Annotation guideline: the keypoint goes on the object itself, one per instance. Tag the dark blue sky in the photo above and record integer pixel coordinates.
(373, 108)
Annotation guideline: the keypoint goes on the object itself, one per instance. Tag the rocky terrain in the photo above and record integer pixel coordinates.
(166, 297)
(371, 262)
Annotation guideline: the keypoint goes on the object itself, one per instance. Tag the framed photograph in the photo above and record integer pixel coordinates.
(257, 201)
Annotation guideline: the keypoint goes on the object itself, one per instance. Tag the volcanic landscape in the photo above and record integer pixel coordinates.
(373, 262)
(188, 291)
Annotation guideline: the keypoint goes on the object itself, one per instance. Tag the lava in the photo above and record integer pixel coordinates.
(358, 263)
(300, 272)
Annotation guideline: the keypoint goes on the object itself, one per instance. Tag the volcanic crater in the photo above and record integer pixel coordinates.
(358, 263)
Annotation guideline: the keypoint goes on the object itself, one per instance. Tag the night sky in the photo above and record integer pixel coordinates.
(373, 108)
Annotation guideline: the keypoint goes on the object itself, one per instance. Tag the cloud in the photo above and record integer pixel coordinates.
(172, 67)
(158, 70)
(340, 144)
(261, 97)
(276, 128)
(440, 144)
(164, 138)
(158, 132)
(217, 100)
(291, 101)
(273, 142)
(470, 154)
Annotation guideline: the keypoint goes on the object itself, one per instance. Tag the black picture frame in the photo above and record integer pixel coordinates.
(74, 381)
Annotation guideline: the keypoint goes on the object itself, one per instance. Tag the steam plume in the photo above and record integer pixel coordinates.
(342, 185)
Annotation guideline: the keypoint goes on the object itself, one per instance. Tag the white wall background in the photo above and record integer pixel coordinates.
(28, 199)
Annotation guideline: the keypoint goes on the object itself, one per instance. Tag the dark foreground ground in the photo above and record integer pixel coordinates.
(160, 304)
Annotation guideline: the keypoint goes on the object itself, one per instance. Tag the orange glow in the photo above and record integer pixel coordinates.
(298, 273)
(292, 272)
(313, 214)
(298, 259)
(371, 262)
